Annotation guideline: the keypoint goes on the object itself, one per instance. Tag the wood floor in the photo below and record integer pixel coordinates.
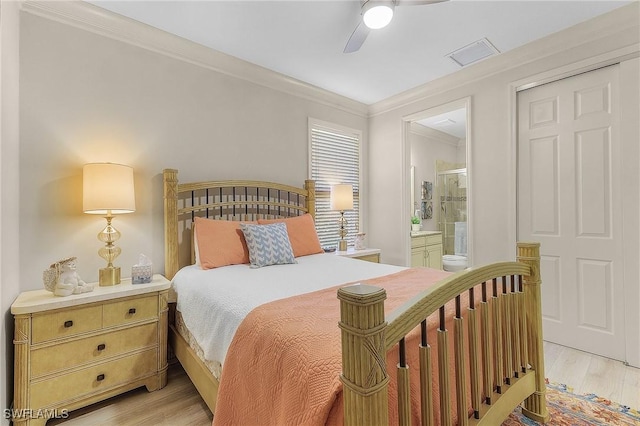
(179, 403)
(176, 404)
(587, 373)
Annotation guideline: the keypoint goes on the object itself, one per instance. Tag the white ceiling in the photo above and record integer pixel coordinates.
(453, 123)
(305, 39)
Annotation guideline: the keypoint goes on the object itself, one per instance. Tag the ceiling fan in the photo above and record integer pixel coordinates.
(377, 14)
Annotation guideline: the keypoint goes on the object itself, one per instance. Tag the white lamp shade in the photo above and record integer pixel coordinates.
(377, 14)
(107, 188)
(342, 197)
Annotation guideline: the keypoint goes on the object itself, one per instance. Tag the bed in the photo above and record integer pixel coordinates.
(483, 326)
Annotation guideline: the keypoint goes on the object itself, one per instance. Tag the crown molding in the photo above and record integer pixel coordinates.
(620, 26)
(428, 132)
(91, 18)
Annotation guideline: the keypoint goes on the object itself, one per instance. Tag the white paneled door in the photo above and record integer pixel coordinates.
(570, 199)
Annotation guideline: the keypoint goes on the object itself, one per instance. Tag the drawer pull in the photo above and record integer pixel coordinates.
(68, 324)
(101, 346)
(100, 377)
(132, 311)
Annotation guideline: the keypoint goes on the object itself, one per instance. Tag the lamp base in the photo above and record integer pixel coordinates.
(342, 245)
(109, 276)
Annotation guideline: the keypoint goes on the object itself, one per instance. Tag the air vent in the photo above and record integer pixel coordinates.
(473, 52)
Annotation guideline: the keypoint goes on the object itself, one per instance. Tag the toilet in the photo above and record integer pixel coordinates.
(454, 262)
(458, 261)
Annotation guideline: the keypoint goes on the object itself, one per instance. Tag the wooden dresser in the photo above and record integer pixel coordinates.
(76, 350)
(426, 249)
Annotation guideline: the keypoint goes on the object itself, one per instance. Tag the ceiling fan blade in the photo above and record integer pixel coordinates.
(357, 38)
(417, 2)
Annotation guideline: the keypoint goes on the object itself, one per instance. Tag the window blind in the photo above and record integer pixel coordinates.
(335, 159)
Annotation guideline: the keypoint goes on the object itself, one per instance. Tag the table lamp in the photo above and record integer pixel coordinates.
(342, 199)
(107, 189)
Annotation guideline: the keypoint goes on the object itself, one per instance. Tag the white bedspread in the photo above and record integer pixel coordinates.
(214, 302)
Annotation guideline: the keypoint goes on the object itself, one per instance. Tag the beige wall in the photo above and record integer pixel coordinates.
(89, 98)
(612, 38)
(630, 132)
(9, 175)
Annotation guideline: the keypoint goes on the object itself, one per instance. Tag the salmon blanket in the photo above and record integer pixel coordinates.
(284, 363)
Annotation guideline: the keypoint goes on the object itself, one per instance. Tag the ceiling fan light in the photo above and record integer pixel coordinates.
(376, 15)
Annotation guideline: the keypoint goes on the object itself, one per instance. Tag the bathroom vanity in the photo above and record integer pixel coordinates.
(426, 249)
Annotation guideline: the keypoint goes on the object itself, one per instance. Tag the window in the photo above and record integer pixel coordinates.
(334, 158)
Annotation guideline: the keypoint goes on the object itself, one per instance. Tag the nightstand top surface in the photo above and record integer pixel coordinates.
(351, 252)
(42, 300)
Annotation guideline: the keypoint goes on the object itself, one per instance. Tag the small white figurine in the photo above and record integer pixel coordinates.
(62, 279)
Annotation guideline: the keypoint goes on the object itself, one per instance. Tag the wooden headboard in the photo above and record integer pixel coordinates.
(225, 200)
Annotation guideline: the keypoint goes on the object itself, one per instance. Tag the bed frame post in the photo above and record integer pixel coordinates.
(310, 186)
(364, 372)
(171, 264)
(535, 406)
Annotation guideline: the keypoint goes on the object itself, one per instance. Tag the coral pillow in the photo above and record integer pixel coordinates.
(220, 243)
(302, 234)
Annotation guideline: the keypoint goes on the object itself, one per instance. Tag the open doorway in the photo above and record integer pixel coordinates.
(438, 181)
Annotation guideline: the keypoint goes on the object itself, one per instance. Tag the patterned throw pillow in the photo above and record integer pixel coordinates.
(302, 234)
(268, 244)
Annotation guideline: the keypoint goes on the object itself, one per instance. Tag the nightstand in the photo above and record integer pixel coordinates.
(368, 254)
(76, 350)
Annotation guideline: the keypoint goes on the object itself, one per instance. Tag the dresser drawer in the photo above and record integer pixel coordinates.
(130, 310)
(94, 379)
(433, 239)
(91, 349)
(418, 241)
(69, 322)
(375, 258)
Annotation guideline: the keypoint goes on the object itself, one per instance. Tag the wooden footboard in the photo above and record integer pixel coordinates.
(498, 361)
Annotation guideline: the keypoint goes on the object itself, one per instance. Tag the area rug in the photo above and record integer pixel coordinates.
(568, 409)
